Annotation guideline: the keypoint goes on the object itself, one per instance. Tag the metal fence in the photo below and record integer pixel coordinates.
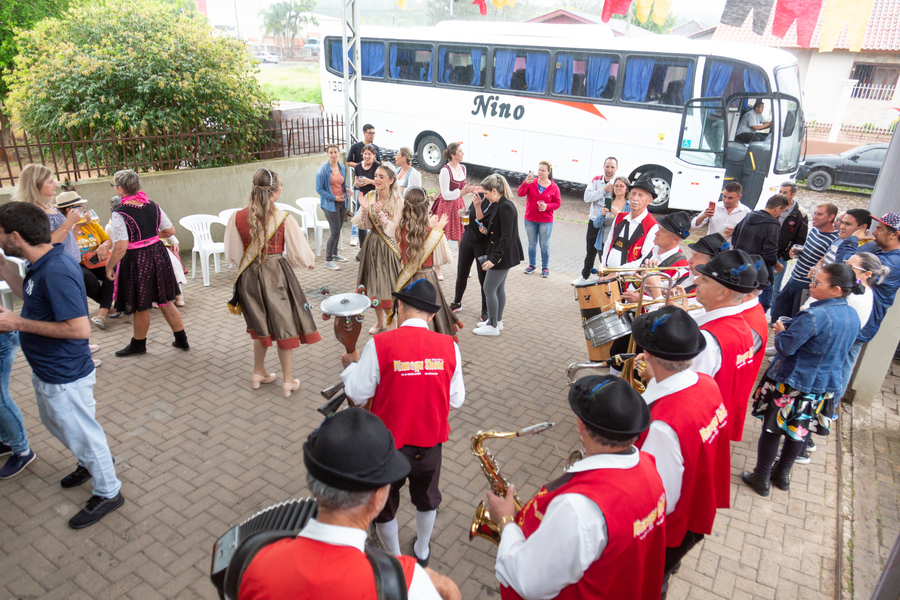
(76, 154)
(859, 109)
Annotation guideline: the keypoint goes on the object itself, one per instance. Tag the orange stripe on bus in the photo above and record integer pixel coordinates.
(585, 106)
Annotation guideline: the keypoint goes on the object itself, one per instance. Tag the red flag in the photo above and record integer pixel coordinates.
(482, 6)
(614, 7)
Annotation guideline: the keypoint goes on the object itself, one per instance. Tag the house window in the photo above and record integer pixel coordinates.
(876, 82)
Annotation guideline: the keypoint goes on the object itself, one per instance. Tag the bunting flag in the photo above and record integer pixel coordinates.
(401, 4)
(482, 6)
(736, 12)
(660, 10)
(499, 4)
(804, 12)
(614, 7)
(854, 13)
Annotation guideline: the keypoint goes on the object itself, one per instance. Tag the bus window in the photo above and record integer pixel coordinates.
(521, 70)
(655, 80)
(586, 75)
(371, 56)
(411, 62)
(724, 79)
(791, 140)
(462, 66)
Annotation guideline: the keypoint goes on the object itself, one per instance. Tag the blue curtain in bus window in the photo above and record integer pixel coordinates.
(430, 65)
(562, 80)
(598, 75)
(754, 82)
(337, 63)
(536, 64)
(476, 66)
(504, 63)
(395, 70)
(637, 79)
(372, 57)
(719, 74)
(443, 72)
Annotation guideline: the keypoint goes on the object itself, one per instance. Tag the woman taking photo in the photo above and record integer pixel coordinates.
(504, 251)
(379, 266)
(332, 188)
(365, 182)
(145, 274)
(407, 177)
(421, 248)
(543, 198)
(472, 245)
(618, 203)
(37, 186)
(452, 180)
(266, 291)
(804, 376)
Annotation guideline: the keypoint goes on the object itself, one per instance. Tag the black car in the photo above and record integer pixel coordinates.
(858, 167)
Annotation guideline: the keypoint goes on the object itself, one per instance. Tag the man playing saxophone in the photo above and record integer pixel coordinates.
(598, 531)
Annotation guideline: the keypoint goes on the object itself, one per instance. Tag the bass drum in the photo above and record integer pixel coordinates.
(596, 298)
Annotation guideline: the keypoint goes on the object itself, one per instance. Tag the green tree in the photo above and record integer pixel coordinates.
(286, 19)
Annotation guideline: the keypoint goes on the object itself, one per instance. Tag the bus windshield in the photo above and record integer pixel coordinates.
(791, 116)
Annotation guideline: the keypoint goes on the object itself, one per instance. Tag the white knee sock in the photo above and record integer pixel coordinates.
(424, 527)
(390, 536)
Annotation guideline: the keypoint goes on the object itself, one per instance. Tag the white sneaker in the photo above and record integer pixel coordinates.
(499, 324)
(93, 347)
(580, 281)
(486, 330)
(339, 258)
(332, 266)
(354, 240)
(771, 351)
(97, 362)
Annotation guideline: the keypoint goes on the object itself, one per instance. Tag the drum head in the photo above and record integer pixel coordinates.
(345, 305)
(597, 294)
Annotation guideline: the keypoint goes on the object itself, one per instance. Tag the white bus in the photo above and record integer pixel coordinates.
(518, 93)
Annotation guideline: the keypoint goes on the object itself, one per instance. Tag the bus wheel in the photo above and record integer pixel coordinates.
(431, 153)
(819, 180)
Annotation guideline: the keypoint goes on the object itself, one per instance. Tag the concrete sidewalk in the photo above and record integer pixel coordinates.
(198, 451)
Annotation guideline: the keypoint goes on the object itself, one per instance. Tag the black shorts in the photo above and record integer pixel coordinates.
(424, 477)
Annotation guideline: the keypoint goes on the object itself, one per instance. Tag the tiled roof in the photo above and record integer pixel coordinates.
(882, 31)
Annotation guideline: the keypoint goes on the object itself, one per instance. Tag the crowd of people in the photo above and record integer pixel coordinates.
(656, 457)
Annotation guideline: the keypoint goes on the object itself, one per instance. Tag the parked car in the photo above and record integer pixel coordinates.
(858, 167)
(267, 57)
(313, 45)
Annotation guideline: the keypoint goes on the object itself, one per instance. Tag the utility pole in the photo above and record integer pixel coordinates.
(237, 21)
(350, 40)
(451, 10)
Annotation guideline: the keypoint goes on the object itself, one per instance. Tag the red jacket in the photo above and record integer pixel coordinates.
(550, 196)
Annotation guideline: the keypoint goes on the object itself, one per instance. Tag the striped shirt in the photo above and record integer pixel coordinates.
(817, 244)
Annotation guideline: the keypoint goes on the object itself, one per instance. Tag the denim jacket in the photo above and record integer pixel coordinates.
(601, 222)
(323, 185)
(811, 350)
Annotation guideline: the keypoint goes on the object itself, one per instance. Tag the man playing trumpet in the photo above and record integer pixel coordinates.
(673, 228)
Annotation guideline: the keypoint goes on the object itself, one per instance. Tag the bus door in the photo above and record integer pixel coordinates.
(699, 172)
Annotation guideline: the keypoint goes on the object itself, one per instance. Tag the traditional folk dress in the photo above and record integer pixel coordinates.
(267, 292)
(451, 208)
(379, 262)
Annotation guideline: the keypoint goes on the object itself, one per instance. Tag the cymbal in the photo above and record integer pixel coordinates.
(345, 305)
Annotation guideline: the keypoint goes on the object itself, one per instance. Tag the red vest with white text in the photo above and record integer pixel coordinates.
(698, 416)
(735, 381)
(755, 317)
(634, 251)
(304, 569)
(633, 502)
(413, 394)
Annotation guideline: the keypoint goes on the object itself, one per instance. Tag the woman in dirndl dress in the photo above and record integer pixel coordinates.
(452, 180)
(145, 273)
(797, 391)
(379, 264)
(265, 243)
(422, 245)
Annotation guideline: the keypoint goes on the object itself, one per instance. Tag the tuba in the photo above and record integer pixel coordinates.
(482, 525)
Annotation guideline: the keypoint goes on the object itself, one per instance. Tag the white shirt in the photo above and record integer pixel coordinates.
(745, 306)
(120, 231)
(721, 218)
(710, 360)
(679, 273)
(444, 182)
(614, 259)
(662, 441)
(750, 119)
(362, 378)
(571, 537)
(595, 195)
(420, 588)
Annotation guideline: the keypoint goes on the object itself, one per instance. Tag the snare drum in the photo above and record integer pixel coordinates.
(597, 294)
(602, 330)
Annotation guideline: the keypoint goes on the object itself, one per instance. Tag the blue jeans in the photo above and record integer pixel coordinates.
(67, 410)
(847, 369)
(12, 427)
(537, 230)
(789, 301)
(773, 290)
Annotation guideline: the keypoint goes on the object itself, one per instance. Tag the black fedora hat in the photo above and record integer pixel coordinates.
(609, 407)
(644, 183)
(710, 244)
(733, 268)
(678, 223)
(763, 277)
(354, 451)
(419, 294)
(668, 333)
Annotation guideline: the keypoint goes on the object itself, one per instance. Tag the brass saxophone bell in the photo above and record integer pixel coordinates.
(483, 526)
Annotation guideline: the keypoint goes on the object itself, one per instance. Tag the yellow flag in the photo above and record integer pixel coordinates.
(401, 4)
(661, 11)
(499, 4)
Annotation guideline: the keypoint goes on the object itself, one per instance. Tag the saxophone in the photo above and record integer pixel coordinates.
(482, 525)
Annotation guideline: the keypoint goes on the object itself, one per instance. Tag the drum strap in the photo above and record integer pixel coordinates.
(668, 262)
(390, 583)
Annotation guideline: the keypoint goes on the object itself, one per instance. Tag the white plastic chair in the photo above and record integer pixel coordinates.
(304, 218)
(226, 214)
(7, 297)
(204, 245)
(311, 206)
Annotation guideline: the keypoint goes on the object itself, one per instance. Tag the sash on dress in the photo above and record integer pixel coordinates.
(431, 242)
(376, 225)
(251, 252)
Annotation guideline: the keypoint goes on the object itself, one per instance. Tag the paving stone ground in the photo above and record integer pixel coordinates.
(198, 451)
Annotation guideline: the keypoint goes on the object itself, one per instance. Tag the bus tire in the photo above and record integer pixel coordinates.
(430, 153)
(819, 180)
(662, 181)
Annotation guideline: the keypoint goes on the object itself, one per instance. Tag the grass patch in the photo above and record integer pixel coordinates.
(843, 188)
(293, 84)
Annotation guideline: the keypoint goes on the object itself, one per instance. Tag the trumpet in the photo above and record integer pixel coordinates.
(616, 361)
(622, 308)
(482, 524)
(607, 270)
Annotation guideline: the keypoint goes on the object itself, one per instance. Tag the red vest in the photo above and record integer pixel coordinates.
(242, 222)
(413, 395)
(698, 416)
(301, 569)
(756, 318)
(634, 250)
(735, 381)
(633, 502)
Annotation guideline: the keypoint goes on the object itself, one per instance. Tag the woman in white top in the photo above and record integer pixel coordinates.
(407, 177)
(453, 186)
(865, 265)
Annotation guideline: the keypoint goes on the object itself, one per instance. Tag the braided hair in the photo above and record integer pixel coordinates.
(265, 185)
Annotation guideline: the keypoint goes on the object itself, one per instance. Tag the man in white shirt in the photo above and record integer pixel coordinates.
(595, 194)
(631, 240)
(750, 125)
(725, 214)
(599, 530)
(673, 229)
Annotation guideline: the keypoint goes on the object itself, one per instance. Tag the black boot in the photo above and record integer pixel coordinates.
(181, 340)
(759, 484)
(134, 347)
(781, 478)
